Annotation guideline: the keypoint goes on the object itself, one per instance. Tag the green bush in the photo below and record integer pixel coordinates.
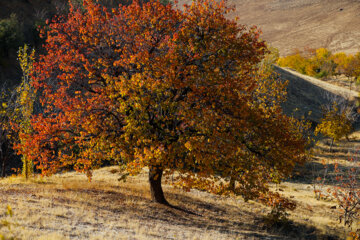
(11, 35)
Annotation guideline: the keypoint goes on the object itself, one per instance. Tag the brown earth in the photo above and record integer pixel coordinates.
(291, 24)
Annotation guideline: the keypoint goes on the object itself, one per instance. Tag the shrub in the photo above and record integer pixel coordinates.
(11, 35)
(335, 123)
(279, 207)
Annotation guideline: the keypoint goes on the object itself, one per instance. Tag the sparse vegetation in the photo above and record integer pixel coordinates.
(5, 223)
(335, 123)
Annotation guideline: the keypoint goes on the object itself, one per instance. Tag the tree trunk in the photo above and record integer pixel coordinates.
(332, 143)
(157, 194)
(2, 158)
(3, 167)
(232, 184)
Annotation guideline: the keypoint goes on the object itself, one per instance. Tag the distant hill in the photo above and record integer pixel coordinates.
(290, 24)
(286, 24)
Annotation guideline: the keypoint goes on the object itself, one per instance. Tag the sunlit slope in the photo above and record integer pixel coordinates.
(289, 24)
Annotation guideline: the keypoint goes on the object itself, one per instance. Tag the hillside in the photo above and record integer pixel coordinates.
(304, 23)
(286, 24)
(115, 205)
(290, 24)
(307, 94)
(67, 206)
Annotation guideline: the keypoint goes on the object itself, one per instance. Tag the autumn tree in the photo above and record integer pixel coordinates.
(338, 117)
(313, 62)
(295, 61)
(24, 104)
(149, 85)
(16, 108)
(325, 64)
(341, 60)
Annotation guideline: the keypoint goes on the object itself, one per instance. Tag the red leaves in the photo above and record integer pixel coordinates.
(140, 84)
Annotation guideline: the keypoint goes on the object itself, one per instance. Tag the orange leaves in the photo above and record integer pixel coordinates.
(150, 85)
(279, 205)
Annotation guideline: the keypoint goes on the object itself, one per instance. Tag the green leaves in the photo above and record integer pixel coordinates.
(11, 36)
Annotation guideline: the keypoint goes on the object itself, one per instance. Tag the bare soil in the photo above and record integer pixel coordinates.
(291, 24)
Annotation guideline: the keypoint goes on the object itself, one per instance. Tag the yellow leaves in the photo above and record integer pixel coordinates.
(9, 211)
(188, 146)
(322, 63)
(26, 59)
(322, 53)
(334, 124)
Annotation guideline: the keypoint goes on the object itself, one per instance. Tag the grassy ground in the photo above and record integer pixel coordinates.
(67, 206)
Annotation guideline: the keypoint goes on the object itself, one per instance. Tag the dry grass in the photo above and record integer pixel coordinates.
(67, 206)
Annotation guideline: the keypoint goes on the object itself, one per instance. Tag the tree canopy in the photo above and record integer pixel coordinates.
(176, 91)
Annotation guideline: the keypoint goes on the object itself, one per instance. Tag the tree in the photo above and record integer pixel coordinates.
(351, 68)
(337, 121)
(341, 60)
(295, 61)
(16, 108)
(24, 109)
(323, 61)
(148, 85)
(313, 62)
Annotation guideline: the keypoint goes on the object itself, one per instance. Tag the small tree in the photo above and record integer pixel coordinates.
(295, 61)
(352, 68)
(16, 108)
(26, 95)
(341, 60)
(345, 190)
(336, 122)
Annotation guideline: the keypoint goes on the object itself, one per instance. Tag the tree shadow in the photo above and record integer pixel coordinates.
(225, 218)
